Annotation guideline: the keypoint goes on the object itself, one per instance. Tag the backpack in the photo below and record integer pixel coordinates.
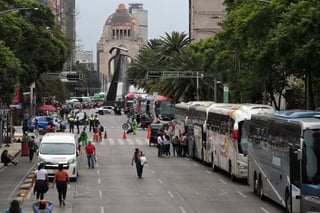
(31, 145)
(101, 129)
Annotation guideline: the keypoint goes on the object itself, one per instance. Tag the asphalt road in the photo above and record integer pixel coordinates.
(173, 184)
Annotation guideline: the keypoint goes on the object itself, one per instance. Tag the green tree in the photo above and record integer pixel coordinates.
(34, 38)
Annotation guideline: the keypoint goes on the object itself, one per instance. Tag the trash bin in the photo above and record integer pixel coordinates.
(24, 148)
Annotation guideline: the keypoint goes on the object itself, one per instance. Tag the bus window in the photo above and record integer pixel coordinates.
(312, 159)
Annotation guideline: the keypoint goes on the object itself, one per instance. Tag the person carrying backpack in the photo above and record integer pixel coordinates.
(32, 148)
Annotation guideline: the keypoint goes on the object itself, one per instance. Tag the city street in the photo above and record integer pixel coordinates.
(169, 184)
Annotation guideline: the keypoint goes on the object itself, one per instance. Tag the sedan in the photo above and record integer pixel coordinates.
(43, 121)
(105, 110)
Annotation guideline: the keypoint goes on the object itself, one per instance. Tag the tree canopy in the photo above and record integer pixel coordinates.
(33, 42)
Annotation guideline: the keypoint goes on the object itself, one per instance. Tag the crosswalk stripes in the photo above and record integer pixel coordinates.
(121, 141)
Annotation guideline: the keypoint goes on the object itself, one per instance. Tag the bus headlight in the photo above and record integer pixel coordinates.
(242, 165)
(311, 198)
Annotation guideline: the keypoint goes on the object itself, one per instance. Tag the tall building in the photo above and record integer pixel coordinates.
(136, 9)
(204, 16)
(64, 11)
(121, 29)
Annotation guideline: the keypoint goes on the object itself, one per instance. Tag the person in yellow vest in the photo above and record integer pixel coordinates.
(91, 122)
(71, 121)
(96, 120)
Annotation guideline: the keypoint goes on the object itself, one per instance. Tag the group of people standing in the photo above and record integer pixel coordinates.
(178, 143)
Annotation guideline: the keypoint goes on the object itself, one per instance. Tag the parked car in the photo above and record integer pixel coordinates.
(104, 110)
(43, 121)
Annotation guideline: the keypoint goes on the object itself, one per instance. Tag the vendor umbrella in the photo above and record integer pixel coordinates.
(47, 108)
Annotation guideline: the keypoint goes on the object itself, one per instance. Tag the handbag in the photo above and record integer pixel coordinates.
(143, 160)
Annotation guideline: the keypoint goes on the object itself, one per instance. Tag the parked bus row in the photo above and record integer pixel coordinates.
(275, 152)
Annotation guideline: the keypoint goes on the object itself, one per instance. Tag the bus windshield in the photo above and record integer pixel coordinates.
(311, 160)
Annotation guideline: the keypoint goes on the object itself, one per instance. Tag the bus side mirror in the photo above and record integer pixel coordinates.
(299, 154)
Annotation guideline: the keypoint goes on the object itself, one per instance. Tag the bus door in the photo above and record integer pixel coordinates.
(295, 180)
(197, 142)
(190, 144)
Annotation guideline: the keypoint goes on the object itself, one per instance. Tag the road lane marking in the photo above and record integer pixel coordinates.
(264, 210)
(101, 209)
(171, 195)
(98, 171)
(222, 181)
(100, 193)
(152, 172)
(160, 181)
(243, 195)
(195, 164)
(209, 172)
(130, 142)
(111, 141)
(120, 141)
(99, 181)
(182, 209)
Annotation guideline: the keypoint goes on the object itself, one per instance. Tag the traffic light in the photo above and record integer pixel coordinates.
(74, 76)
(154, 74)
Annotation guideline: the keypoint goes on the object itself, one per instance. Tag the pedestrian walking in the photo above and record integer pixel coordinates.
(61, 179)
(91, 152)
(14, 207)
(42, 206)
(41, 181)
(83, 138)
(136, 159)
(134, 126)
(77, 123)
(32, 148)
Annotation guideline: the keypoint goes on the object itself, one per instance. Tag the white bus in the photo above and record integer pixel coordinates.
(284, 159)
(226, 145)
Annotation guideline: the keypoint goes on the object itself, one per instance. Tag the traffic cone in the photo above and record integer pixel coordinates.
(148, 132)
(105, 134)
(124, 135)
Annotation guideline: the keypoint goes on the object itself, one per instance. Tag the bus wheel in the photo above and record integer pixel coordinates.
(260, 189)
(288, 202)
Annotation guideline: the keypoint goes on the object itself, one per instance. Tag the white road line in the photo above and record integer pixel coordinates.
(243, 195)
(264, 210)
(101, 209)
(111, 141)
(160, 181)
(99, 181)
(209, 172)
(100, 193)
(98, 171)
(152, 172)
(182, 209)
(120, 141)
(171, 195)
(140, 141)
(130, 142)
(222, 181)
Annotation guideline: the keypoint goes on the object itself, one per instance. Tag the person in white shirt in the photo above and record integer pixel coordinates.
(41, 182)
(160, 144)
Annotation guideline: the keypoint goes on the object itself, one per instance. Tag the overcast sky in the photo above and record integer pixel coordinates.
(163, 16)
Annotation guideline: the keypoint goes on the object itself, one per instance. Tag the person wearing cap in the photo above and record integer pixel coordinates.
(91, 152)
(61, 179)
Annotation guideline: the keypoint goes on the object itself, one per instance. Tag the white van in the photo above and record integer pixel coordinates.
(57, 148)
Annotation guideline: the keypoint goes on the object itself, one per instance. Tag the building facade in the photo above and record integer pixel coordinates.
(204, 17)
(121, 29)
